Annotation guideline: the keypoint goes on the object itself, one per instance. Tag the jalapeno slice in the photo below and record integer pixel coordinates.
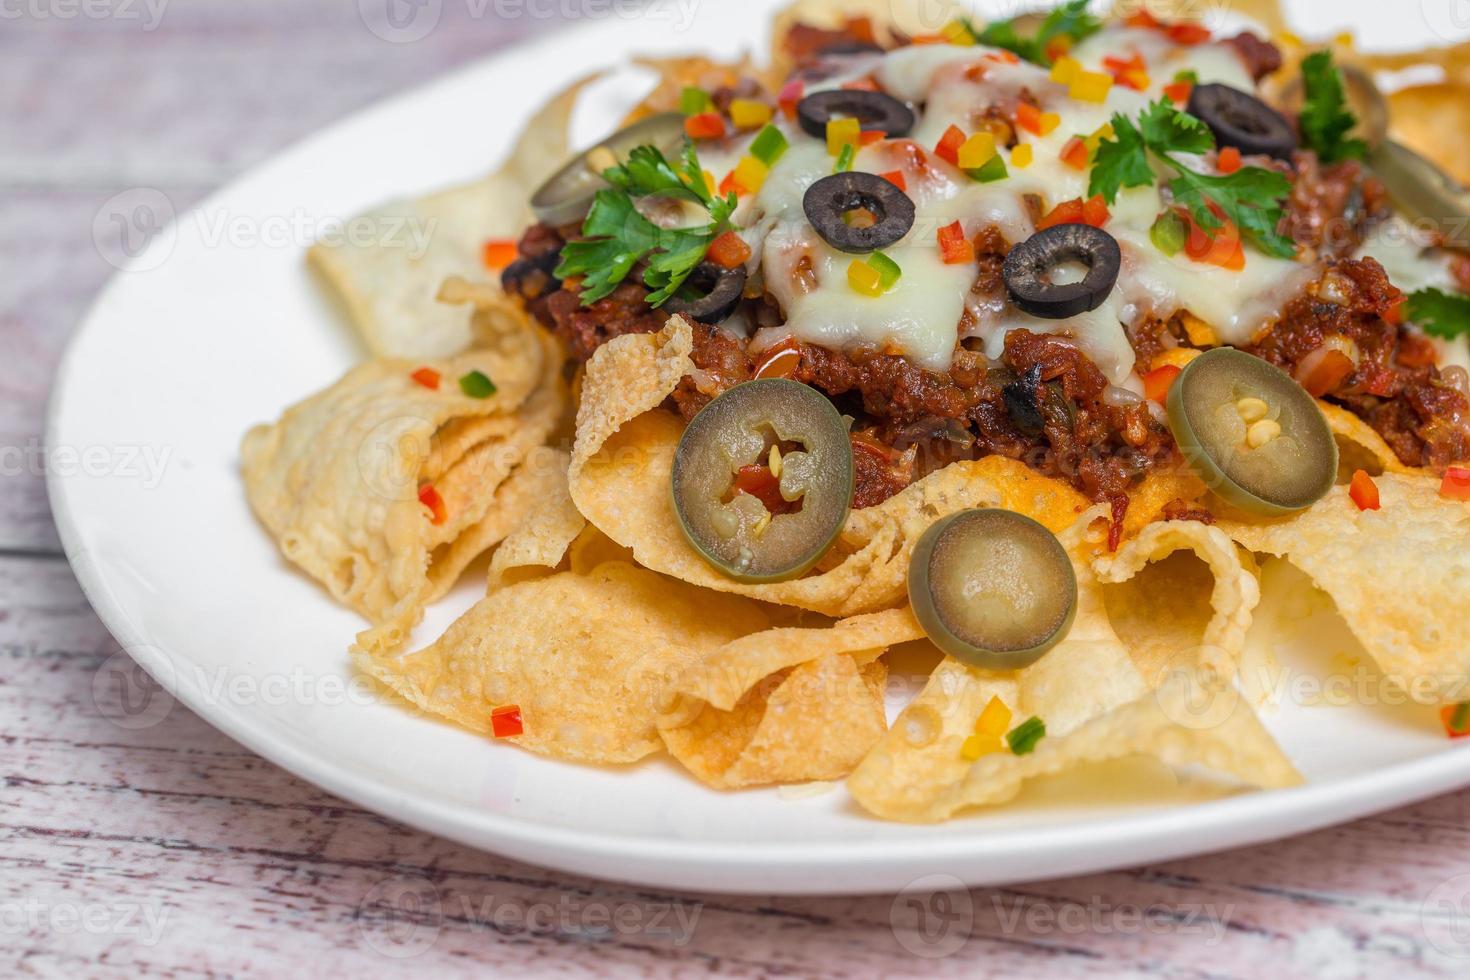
(567, 194)
(1256, 437)
(992, 588)
(762, 479)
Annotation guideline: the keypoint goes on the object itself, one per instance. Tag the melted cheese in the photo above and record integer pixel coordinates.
(1411, 265)
(924, 315)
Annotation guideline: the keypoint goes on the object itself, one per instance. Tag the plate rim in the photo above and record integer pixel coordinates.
(1158, 834)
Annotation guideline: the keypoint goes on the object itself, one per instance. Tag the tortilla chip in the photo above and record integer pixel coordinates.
(586, 657)
(544, 531)
(1178, 596)
(814, 721)
(336, 480)
(389, 283)
(1400, 577)
(917, 772)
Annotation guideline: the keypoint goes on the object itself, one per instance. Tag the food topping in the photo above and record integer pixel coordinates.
(803, 468)
(830, 201)
(871, 111)
(992, 588)
(1063, 271)
(722, 288)
(1241, 120)
(568, 194)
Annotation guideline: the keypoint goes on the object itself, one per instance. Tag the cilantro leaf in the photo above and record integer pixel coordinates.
(1325, 117)
(1120, 162)
(1439, 313)
(1252, 198)
(616, 237)
(1071, 21)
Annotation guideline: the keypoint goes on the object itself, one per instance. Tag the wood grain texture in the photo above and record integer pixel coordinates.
(132, 849)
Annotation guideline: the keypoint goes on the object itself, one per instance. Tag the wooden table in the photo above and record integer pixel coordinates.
(170, 850)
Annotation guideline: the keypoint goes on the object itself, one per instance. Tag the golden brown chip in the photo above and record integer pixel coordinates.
(587, 658)
(918, 771)
(388, 271)
(544, 531)
(1400, 577)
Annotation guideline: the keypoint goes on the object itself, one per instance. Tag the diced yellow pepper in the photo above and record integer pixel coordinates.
(709, 181)
(1344, 40)
(1021, 156)
(1049, 122)
(958, 34)
(995, 719)
(1105, 131)
(1090, 86)
(976, 151)
(1290, 40)
(842, 132)
(979, 746)
(1065, 69)
(749, 114)
(751, 174)
(864, 279)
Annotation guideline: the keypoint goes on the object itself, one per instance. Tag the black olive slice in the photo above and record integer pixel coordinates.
(992, 588)
(1031, 267)
(874, 110)
(831, 198)
(771, 438)
(1253, 434)
(722, 289)
(567, 194)
(1241, 120)
(1022, 398)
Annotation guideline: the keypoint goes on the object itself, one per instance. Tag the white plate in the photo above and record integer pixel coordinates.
(208, 335)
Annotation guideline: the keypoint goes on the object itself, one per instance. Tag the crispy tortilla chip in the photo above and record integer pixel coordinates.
(1178, 596)
(586, 657)
(389, 284)
(337, 479)
(817, 723)
(918, 772)
(544, 531)
(1400, 577)
(623, 459)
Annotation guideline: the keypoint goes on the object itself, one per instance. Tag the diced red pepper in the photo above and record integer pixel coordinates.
(1004, 57)
(949, 145)
(1456, 484)
(870, 136)
(1028, 117)
(866, 84)
(729, 251)
(498, 253)
(1394, 317)
(1188, 34)
(1229, 160)
(1456, 719)
(897, 179)
(954, 248)
(757, 480)
(1074, 153)
(1055, 48)
(1364, 491)
(430, 498)
(780, 361)
(1329, 371)
(705, 126)
(505, 722)
(1143, 19)
(1156, 383)
(1093, 211)
(1178, 92)
(790, 94)
(427, 377)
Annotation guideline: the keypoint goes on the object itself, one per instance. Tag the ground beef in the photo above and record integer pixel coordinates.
(1261, 57)
(1332, 206)
(1395, 389)
(721, 363)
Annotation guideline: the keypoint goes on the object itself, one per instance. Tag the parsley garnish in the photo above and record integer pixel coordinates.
(1252, 197)
(1439, 313)
(1070, 21)
(617, 237)
(1325, 118)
